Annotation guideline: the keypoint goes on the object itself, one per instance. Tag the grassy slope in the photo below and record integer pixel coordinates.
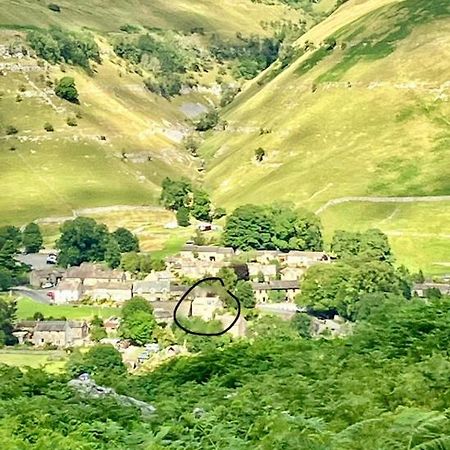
(225, 17)
(53, 173)
(26, 308)
(385, 135)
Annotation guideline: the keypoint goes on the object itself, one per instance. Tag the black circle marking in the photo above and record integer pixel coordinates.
(196, 333)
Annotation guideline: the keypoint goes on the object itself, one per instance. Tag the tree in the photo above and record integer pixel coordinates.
(175, 194)
(97, 329)
(201, 206)
(10, 237)
(130, 262)
(270, 228)
(259, 154)
(372, 244)
(331, 289)
(8, 310)
(67, 90)
(219, 213)
(102, 359)
(229, 278)
(183, 217)
(32, 238)
(244, 293)
(112, 253)
(127, 241)
(138, 322)
(82, 239)
(207, 121)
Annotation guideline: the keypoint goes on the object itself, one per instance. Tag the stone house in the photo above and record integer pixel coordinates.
(111, 325)
(90, 274)
(39, 277)
(117, 292)
(266, 256)
(267, 271)
(159, 276)
(420, 289)
(205, 307)
(197, 269)
(288, 289)
(306, 259)
(206, 253)
(292, 273)
(68, 291)
(61, 333)
(153, 291)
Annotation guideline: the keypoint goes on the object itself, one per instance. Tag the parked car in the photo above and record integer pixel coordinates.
(47, 285)
(52, 259)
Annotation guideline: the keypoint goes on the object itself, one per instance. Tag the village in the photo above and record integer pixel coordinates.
(275, 278)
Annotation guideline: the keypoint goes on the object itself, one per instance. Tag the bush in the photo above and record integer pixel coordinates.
(48, 127)
(10, 129)
(207, 121)
(67, 90)
(72, 122)
(54, 7)
(259, 154)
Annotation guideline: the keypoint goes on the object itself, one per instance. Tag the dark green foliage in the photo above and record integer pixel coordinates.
(219, 213)
(99, 361)
(207, 121)
(250, 55)
(57, 45)
(8, 310)
(97, 329)
(32, 238)
(138, 322)
(141, 263)
(183, 217)
(48, 127)
(338, 288)
(245, 294)
(10, 130)
(373, 244)
(127, 241)
(228, 95)
(10, 238)
(201, 206)
(167, 87)
(259, 154)
(67, 90)
(269, 228)
(82, 239)
(11, 271)
(175, 194)
(112, 253)
(54, 7)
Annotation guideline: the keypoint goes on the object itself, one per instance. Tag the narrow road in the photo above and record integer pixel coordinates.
(338, 201)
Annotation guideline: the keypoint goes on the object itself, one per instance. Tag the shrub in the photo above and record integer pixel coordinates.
(10, 129)
(67, 90)
(259, 154)
(48, 127)
(207, 121)
(54, 7)
(72, 122)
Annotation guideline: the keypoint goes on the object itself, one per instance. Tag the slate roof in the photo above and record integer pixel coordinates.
(208, 249)
(57, 325)
(276, 285)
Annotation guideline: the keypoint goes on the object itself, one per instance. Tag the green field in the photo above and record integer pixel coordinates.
(26, 308)
(50, 360)
(419, 233)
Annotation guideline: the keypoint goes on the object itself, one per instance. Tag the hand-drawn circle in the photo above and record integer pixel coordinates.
(196, 333)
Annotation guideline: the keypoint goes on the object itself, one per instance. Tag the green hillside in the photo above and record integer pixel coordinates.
(127, 139)
(361, 111)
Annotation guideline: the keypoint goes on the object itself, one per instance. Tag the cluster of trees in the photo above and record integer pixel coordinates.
(182, 197)
(365, 270)
(57, 45)
(236, 281)
(141, 264)
(273, 228)
(85, 240)
(11, 241)
(167, 61)
(385, 386)
(8, 309)
(250, 55)
(372, 244)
